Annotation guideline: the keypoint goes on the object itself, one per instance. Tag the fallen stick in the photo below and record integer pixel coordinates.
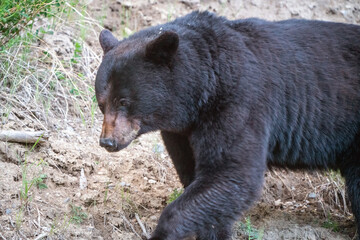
(23, 136)
(142, 226)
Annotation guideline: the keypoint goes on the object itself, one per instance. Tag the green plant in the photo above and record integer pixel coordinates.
(331, 224)
(248, 229)
(77, 52)
(27, 83)
(77, 214)
(16, 15)
(19, 218)
(174, 195)
(29, 182)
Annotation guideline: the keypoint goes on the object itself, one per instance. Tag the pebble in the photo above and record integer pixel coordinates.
(83, 180)
(312, 195)
(278, 202)
(152, 181)
(124, 184)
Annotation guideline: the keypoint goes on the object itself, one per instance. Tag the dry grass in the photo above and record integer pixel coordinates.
(44, 84)
(327, 189)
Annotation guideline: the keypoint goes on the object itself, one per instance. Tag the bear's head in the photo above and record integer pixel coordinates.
(134, 86)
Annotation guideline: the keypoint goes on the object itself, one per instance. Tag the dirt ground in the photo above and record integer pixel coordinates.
(93, 194)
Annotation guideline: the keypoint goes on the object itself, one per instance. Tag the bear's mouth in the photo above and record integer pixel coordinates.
(117, 147)
(112, 145)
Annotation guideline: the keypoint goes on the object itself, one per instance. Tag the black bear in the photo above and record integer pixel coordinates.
(232, 99)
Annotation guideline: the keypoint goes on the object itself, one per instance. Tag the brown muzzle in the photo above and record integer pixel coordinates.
(118, 131)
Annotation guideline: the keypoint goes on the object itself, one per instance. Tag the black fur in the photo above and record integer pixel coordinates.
(233, 99)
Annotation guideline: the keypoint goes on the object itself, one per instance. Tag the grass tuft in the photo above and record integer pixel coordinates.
(47, 72)
(174, 195)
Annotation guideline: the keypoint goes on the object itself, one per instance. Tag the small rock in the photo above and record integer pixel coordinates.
(153, 218)
(312, 195)
(124, 184)
(83, 180)
(103, 171)
(277, 202)
(126, 4)
(151, 181)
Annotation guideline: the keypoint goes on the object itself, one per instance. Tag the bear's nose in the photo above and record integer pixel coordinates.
(107, 143)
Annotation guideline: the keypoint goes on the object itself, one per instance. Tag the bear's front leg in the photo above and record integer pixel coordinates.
(229, 177)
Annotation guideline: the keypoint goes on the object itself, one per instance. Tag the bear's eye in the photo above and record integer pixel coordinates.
(122, 102)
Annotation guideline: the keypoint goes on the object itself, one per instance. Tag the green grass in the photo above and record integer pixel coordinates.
(30, 181)
(77, 214)
(32, 176)
(174, 195)
(38, 82)
(331, 224)
(16, 15)
(249, 230)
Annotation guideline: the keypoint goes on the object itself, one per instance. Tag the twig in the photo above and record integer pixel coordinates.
(116, 229)
(282, 180)
(131, 226)
(2, 237)
(21, 234)
(23, 136)
(38, 216)
(11, 222)
(142, 226)
(35, 223)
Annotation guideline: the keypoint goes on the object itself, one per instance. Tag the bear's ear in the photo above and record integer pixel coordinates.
(162, 49)
(107, 40)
